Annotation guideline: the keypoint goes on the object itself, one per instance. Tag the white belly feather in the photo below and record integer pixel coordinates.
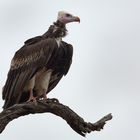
(39, 82)
(42, 81)
(30, 85)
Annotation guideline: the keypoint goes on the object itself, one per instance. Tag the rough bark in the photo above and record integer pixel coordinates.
(52, 106)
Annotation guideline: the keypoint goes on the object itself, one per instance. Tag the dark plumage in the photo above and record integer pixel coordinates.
(38, 66)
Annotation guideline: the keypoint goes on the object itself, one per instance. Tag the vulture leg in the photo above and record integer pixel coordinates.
(29, 88)
(31, 97)
(42, 83)
(45, 96)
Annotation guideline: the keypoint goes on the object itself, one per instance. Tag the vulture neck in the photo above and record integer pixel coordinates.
(57, 30)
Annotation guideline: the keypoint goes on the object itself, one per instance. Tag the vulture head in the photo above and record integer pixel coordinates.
(65, 17)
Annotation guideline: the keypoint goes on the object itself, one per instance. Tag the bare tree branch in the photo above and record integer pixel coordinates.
(52, 106)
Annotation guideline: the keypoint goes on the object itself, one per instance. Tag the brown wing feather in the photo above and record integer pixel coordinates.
(55, 78)
(27, 61)
(62, 66)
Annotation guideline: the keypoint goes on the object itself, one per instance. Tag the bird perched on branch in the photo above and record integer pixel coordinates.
(39, 65)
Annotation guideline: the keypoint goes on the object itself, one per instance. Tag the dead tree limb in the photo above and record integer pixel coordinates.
(52, 106)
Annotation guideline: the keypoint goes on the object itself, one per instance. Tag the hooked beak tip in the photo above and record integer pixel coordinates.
(77, 19)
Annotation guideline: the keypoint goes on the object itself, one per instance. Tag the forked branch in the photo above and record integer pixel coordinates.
(52, 106)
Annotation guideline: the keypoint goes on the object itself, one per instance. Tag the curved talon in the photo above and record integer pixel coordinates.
(53, 100)
(32, 99)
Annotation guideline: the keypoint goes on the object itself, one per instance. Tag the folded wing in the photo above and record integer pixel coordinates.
(28, 60)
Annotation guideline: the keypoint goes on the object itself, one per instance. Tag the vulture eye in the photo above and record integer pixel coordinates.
(68, 15)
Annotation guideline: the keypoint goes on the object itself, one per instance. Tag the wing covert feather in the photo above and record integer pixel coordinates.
(26, 62)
